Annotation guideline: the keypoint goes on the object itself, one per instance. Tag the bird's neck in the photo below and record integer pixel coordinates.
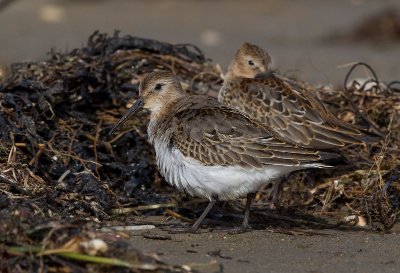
(165, 104)
(160, 115)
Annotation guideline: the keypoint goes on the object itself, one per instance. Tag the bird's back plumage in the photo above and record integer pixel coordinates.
(292, 112)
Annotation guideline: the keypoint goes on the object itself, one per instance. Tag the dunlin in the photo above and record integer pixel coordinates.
(294, 113)
(211, 150)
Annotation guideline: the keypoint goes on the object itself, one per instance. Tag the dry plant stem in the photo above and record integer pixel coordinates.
(72, 155)
(72, 137)
(96, 140)
(178, 216)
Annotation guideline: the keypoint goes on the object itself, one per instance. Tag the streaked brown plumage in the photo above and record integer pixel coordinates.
(202, 129)
(292, 112)
(211, 150)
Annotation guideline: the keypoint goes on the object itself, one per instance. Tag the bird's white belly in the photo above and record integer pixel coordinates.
(227, 182)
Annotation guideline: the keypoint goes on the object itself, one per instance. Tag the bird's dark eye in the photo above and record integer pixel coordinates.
(251, 62)
(158, 87)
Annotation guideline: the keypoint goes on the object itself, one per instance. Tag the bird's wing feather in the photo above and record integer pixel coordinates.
(217, 135)
(298, 117)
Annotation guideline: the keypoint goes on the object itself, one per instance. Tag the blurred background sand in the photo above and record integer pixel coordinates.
(296, 33)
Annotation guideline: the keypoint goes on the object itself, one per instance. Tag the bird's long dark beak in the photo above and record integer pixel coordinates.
(136, 107)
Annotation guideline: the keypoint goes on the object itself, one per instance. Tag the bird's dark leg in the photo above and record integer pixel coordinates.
(276, 188)
(196, 225)
(245, 225)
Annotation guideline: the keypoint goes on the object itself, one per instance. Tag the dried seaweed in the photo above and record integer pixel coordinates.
(372, 189)
(57, 113)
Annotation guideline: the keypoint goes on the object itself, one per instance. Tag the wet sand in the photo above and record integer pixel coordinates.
(269, 250)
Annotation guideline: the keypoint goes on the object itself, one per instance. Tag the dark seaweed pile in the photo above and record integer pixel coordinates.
(55, 116)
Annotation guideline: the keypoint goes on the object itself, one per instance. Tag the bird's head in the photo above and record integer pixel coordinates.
(157, 91)
(249, 61)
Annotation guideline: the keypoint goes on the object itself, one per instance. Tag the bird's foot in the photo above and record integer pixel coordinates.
(240, 230)
(181, 230)
(232, 230)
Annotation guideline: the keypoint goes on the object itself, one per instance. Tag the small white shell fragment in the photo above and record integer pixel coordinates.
(94, 246)
(361, 222)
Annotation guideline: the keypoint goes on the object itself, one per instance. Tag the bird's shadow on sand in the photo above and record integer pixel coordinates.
(293, 223)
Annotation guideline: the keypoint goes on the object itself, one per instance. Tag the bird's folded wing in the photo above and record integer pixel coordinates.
(294, 114)
(217, 135)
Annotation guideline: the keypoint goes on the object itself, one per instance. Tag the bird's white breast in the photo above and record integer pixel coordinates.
(197, 179)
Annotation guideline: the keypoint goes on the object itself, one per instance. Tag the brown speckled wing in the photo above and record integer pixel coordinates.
(291, 111)
(218, 135)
